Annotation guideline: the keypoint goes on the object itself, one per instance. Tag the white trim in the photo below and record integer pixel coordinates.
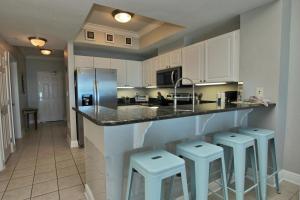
(285, 175)
(74, 144)
(149, 28)
(41, 57)
(88, 193)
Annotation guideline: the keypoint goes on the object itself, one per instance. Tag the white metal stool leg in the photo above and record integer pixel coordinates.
(262, 147)
(184, 184)
(202, 181)
(254, 171)
(223, 177)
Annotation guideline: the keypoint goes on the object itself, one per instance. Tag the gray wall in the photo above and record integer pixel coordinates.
(292, 149)
(35, 65)
(264, 61)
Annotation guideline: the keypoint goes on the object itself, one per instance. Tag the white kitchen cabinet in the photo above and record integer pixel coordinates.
(149, 72)
(193, 61)
(163, 61)
(133, 73)
(83, 62)
(175, 58)
(100, 62)
(120, 66)
(222, 58)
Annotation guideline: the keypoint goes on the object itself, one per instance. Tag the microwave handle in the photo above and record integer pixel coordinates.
(172, 77)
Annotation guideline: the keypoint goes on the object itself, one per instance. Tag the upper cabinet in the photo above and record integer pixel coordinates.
(149, 71)
(222, 58)
(101, 62)
(213, 60)
(83, 62)
(134, 73)
(175, 58)
(120, 66)
(170, 59)
(193, 61)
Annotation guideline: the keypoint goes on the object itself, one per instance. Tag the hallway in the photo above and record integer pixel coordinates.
(44, 167)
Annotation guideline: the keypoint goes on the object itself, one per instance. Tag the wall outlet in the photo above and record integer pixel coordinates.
(260, 92)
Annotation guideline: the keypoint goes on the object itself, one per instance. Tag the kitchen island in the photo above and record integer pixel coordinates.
(112, 135)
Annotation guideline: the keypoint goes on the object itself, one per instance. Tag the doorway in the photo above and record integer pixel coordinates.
(15, 100)
(50, 96)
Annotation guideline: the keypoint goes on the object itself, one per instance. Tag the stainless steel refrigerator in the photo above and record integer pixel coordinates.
(94, 87)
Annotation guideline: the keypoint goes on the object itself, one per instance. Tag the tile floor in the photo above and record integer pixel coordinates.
(45, 168)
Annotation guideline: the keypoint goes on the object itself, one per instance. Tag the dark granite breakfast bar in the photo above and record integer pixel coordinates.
(135, 114)
(112, 135)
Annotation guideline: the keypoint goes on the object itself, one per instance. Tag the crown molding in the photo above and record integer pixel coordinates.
(102, 28)
(44, 58)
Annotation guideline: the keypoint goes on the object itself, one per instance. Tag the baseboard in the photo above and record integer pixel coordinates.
(285, 175)
(88, 193)
(74, 144)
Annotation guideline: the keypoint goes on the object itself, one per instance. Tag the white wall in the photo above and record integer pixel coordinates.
(40, 64)
(292, 149)
(21, 68)
(264, 61)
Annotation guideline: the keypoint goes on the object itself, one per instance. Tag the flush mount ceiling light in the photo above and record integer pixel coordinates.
(37, 41)
(122, 16)
(46, 52)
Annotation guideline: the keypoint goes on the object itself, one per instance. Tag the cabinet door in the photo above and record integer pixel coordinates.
(84, 62)
(193, 62)
(163, 61)
(134, 73)
(219, 56)
(120, 66)
(175, 58)
(146, 71)
(152, 70)
(101, 62)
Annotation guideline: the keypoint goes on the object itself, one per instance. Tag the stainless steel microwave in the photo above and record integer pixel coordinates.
(168, 77)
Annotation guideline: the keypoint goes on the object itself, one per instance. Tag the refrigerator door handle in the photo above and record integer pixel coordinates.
(96, 93)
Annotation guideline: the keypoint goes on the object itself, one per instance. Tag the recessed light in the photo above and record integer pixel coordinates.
(46, 52)
(122, 16)
(37, 41)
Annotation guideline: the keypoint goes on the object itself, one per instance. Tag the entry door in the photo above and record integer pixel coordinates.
(50, 93)
(6, 128)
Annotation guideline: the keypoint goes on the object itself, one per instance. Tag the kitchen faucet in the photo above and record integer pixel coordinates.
(175, 92)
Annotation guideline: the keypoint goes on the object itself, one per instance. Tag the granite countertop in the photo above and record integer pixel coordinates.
(134, 114)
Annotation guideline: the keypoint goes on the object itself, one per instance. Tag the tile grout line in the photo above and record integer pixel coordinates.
(37, 152)
(53, 146)
(14, 168)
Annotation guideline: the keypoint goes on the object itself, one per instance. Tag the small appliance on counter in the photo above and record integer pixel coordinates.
(182, 98)
(141, 98)
(231, 96)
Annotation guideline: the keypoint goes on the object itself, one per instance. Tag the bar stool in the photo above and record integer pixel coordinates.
(156, 166)
(202, 154)
(264, 138)
(240, 145)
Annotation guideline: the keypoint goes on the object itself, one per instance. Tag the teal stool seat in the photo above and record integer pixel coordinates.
(202, 154)
(240, 144)
(265, 140)
(155, 166)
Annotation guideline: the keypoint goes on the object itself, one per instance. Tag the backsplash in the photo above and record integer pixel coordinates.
(209, 92)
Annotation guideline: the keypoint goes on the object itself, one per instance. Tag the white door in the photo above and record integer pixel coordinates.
(193, 62)
(50, 92)
(219, 58)
(134, 73)
(6, 123)
(120, 66)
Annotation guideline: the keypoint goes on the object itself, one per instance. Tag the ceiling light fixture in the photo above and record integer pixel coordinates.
(46, 52)
(37, 41)
(208, 84)
(122, 16)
